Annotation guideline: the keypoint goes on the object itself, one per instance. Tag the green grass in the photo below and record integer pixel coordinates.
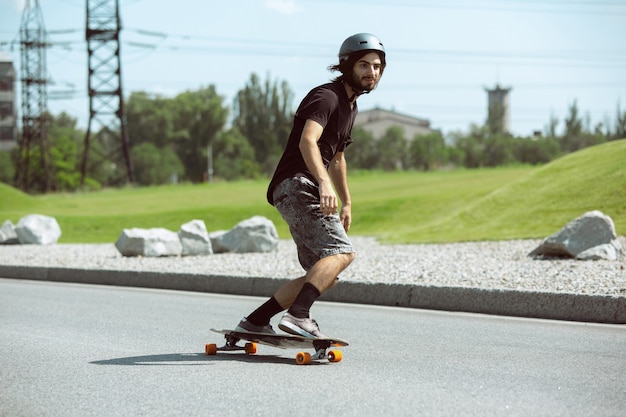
(403, 207)
(101, 216)
(540, 202)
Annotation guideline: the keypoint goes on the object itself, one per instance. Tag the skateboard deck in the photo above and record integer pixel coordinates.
(282, 341)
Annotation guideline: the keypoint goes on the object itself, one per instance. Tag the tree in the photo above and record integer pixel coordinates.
(498, 150)
(578, 133)
(233, 156)
(66, 142)
(573, 130)
(550, 129)
(198, 117)
(7, 168)
(154, 165)
(149, 119)
(472, 150)
(66, 149)
(262, 113)
(428, 152)
(363, 153)
(187, 124)
(536, 151)
(620, 124)
(393, 150)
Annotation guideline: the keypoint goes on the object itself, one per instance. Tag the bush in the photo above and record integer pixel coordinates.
(154, 166)
(7, 169)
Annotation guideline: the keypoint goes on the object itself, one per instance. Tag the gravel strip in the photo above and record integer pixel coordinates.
(501, 265)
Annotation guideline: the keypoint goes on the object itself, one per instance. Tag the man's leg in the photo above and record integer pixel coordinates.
(321, 277)
(298, 297)
(282, 300)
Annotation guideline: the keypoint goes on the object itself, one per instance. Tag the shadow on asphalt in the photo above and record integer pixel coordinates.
(197, 359)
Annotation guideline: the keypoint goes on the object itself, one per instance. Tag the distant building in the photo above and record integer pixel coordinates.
(498, 111)
(8, 114)
(378, 121)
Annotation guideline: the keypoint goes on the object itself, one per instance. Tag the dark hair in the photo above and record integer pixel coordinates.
(346, 66)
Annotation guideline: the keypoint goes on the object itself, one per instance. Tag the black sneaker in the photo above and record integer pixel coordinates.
(306, 327)
(245, 326)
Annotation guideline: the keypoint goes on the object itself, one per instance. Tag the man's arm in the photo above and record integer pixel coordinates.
(313, 158)
(338, 171)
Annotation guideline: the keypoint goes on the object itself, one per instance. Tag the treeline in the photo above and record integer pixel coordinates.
(481, 147)
(173, 139)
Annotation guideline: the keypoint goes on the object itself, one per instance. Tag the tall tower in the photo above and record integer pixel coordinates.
(498, 116)
(35, 168)
(106, 101)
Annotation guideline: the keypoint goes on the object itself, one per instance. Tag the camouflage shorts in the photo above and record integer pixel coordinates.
(316, 236)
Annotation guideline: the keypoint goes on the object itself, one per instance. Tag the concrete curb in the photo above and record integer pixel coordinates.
(543, 305)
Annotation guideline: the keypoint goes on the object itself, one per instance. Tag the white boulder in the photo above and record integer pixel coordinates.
(149, 242)
(7, 234)
(38, 229)
(256, 234)
(195, 238)
(590, 236)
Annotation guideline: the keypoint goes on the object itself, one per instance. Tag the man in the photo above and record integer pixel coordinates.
(308, 179)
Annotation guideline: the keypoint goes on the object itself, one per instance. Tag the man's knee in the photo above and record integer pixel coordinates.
(349, 257)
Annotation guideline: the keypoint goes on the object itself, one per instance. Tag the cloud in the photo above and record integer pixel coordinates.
(283, 6)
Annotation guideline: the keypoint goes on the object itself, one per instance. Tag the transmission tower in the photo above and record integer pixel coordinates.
(33, 145)
(106, 101)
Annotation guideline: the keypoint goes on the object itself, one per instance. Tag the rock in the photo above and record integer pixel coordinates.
(195, 238)
(256, 234)
(216, 241)
(149, 242)
(7, 234)
(591, 236)
(38, 229)
(608, 251)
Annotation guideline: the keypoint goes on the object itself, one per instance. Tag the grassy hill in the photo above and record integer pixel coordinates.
(540, 202)
(13, 201)
(460, 205)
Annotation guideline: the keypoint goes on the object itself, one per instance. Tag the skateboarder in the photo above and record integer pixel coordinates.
(310, 178)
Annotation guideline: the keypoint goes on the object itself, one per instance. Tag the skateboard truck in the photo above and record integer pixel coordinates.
(231, 346)
(320, 353)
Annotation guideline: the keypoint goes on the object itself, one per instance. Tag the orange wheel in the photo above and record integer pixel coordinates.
(303, 358)
(335, 356)
(250, 348)
(210, 349)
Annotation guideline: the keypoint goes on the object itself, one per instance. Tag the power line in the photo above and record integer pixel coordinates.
(572, 8)
(269, 47)
(264, 47)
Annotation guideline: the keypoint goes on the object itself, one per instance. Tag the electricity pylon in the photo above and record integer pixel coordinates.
(33, 144)
(106, 101)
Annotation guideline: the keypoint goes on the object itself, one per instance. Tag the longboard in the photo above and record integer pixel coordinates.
(282, 341)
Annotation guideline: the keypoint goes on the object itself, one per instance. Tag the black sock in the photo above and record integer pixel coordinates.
(308, 294)
(262, 315)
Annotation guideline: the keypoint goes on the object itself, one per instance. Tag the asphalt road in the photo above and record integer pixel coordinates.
(79, 350)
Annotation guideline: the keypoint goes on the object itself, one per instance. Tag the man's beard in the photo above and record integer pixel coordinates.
(360, 87)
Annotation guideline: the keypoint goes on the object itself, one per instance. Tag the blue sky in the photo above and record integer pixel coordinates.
(442, 54)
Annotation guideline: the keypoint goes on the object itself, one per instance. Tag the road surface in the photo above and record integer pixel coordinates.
(80, 350)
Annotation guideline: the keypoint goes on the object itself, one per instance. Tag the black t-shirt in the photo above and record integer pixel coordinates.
(328, 105)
